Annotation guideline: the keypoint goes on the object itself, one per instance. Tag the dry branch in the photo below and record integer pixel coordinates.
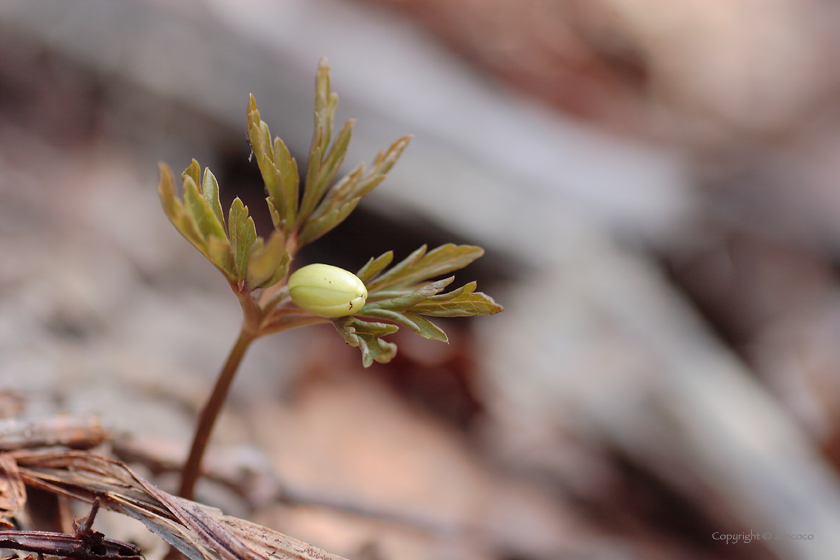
(200, 532)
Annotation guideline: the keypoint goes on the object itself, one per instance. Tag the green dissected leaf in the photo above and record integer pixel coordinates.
(345, 195)
(416, 323)
(391, 277)
(210, 191)
(375, 266)
(383, 163)
(355, 186)
(375, 298)
(193, 172)
(366, 185)
(281, 271)
(322, 208)
(200, 211)
(323, 103)
(463, 302)
(420, 266)
(334, 208)
(291, 180)
(278, 168)
(310, 198)
(334, 158)
(242, 235)
(272, 177)
(220, 254)
(392, 305)
(386, 159)
(185, 225)
(260, 138)
(316, 228)
(168, 197)
(328, 117)
(324, 161)
(200, 220)
(366, 336)
(344, 189)
(268, 263)
(175, 210)
(401, 296)
(276, 219)
(401, 300)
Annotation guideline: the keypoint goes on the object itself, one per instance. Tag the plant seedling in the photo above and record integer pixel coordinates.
(363, 307)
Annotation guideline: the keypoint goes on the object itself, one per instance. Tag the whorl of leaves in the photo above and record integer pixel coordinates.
(250, 262)
(405, 295)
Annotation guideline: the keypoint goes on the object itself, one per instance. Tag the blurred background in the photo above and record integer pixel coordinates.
(657, 187)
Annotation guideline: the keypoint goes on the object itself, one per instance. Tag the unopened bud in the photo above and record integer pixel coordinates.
(326, 290)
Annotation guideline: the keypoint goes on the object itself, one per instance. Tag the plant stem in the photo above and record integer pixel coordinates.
(207, 419)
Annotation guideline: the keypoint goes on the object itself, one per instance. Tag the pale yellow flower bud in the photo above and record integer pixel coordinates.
(327, 291)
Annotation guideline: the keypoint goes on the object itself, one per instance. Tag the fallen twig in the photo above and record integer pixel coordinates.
(199, 532)
(86, 544)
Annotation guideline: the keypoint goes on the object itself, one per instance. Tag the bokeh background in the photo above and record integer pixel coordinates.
(657, 186)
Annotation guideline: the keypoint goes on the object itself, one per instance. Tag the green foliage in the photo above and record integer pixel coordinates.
(230, 245)
(322, 207)
(367, 337)
(268, 263)
(402, 296)
(343, 197)
(278, 168)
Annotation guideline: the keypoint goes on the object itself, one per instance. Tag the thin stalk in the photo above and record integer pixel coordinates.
(207, 419)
